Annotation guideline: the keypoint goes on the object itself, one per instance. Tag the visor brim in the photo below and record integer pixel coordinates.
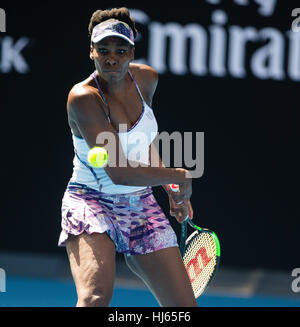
(100, 37)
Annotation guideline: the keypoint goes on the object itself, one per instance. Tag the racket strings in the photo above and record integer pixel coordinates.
(200, 260)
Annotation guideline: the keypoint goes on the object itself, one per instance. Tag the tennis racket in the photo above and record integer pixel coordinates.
(200, 253)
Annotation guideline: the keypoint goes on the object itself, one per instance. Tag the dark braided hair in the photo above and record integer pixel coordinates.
(121, 14)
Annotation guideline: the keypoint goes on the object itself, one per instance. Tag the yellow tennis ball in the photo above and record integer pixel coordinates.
(97, 157)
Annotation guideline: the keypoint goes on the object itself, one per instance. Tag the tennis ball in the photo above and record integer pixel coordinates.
(97, 157)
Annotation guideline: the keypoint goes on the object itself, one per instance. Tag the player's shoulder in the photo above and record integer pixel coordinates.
(81, 92)
(81, 98)
(147, 79)
(144, 72)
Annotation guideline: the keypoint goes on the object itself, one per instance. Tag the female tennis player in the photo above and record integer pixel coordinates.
(111, 209)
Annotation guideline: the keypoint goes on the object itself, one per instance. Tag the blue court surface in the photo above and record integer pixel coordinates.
(40, 292)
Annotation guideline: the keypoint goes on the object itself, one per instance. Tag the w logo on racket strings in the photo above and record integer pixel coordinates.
(199, 262)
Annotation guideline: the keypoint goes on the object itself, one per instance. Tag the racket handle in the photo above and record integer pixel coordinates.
(175, 188)
(183, 235)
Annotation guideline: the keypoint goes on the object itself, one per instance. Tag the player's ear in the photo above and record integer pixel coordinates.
(132, 52)
(92, 49)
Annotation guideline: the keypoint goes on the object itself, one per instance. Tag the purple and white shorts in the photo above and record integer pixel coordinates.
(135, 222)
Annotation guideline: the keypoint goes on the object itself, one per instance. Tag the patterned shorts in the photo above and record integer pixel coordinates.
(135, 222)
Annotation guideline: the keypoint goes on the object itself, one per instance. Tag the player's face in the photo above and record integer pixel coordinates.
(112, 57)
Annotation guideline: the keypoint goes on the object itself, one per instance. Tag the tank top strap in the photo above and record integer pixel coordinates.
(102, 95)
(136, 85)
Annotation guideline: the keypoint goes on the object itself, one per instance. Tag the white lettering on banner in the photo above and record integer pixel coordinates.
(294, 55)
(237, 49)
(218, 43)
(266, 7)
(178, 35)
(296, 282)
(295, 23)
(272, 52)
(242, 2)
(222, 50)
(11, 56)
(2, 21)
(2, 280)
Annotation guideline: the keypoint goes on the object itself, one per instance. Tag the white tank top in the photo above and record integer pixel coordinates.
(135, 144)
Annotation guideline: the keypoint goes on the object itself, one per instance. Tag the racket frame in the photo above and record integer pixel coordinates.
(182, 244)
(214, 235)
(201, 230)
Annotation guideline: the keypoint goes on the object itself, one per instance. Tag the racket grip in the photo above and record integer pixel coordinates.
(175, 188)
